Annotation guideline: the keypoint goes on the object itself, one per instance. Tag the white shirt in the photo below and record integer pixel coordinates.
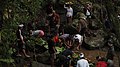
(82, 63)
(79, 37)
(69, 11)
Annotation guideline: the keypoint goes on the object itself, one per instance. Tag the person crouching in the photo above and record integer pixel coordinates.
(77, 41)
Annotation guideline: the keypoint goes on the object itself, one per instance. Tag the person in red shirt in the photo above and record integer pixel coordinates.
(101, 62)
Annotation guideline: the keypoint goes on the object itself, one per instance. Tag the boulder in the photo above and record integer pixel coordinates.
(95, 41)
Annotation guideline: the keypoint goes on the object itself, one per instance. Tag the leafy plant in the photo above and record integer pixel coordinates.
(14, 13)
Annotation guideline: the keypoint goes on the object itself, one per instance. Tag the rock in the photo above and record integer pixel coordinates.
(95, 41)
(70, 30)
(43, 58)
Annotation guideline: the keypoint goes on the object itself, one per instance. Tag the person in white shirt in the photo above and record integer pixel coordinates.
(69, 13)
(82, 62)
(79, 37)
(77, 41)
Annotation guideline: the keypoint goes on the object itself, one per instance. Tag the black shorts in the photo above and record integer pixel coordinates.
(63, 60)
(21, 45)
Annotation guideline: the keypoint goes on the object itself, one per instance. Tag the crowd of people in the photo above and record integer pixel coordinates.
(72, 43)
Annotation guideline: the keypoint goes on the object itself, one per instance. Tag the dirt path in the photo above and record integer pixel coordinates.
(91, 55)
(36, 64)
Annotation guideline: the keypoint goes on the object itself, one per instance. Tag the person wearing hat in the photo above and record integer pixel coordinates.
(20, 40)
(69, 13)
(82, 62)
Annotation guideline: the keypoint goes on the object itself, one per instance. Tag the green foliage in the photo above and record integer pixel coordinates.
(32, 41)
(22, 11)
(59, 49)
(9, 60)
(8, 39)
(14, 13)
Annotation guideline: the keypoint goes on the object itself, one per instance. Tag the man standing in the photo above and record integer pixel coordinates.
(65, 57)
(110, 54)
(53, 21)
(21, 42)
(82, 62)
(111, 51)
(51, 49)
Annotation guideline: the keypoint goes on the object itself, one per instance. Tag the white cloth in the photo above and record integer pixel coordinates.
(79, 37)
(69, 11)
(82, 63)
